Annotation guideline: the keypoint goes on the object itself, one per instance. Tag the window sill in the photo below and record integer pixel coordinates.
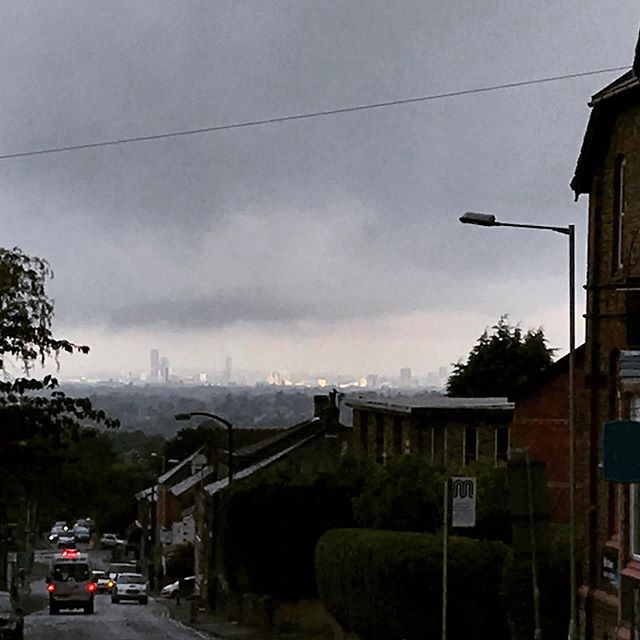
(632, 570)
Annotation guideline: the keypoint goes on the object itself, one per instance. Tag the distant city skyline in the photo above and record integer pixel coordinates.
(159, 371)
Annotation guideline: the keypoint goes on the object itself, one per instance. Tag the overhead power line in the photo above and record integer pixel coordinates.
(305, 116)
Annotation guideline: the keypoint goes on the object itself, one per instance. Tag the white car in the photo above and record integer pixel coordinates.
(81, 534)
(70, 583)
(66, 539)
(111, 540)
(183, 587)
(58, 527)
(130, 586)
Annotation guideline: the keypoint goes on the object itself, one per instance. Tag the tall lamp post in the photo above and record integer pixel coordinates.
(489, 220)
(226, 423)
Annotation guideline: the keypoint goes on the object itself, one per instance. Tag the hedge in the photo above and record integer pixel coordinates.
(387, 585)
(553, 585)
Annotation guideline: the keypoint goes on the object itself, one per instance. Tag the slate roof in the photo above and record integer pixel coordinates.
(431, 403)
(268, 449)
(221, 484)
(605, 104)
(165, 477)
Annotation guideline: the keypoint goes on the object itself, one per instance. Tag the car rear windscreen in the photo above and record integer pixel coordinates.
(71, 571)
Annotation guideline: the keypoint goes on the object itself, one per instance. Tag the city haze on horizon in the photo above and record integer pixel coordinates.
(322, 245)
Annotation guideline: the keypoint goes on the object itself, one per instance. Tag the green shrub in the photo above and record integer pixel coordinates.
(405, 495)
(386, 585)
(553, 585)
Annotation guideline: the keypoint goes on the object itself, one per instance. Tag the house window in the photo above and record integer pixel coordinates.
(634, 414)
(439, 445)
(397, 435)
(470, 445)
(502, 444)
(618, 213)
(380, 438)
(364, 432)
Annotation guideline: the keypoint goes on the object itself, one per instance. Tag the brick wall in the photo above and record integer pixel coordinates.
(606, 336)
(541, 424)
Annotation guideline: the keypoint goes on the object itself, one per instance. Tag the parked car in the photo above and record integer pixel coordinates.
(130, 586)
(111, 540)
(183, 588)
(11, 621)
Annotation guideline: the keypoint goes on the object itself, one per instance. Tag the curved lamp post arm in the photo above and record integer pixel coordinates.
(226, 423)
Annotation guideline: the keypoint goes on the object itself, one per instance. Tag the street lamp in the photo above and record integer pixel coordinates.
(163, 460)
(489, 220)
(226, 423)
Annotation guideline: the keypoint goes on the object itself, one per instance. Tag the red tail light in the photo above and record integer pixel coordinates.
(91, 587)
(51, 587)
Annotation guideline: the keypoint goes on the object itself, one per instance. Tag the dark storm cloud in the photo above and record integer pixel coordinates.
(122, 225)
(256, 306)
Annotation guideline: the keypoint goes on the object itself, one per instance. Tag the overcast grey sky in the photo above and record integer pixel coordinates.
(326, 244)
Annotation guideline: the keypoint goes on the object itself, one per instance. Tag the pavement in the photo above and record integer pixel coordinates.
(208, 623)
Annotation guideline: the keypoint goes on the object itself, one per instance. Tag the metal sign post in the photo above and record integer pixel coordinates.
(463, 504)
(445, 541)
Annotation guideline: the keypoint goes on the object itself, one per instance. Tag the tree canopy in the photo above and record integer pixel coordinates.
(39, 422)
(503, 360)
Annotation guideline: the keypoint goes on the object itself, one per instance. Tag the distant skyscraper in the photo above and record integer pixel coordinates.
(228, 366)
(154, 361)
(372, 381)
(405, 376)
(165, 369)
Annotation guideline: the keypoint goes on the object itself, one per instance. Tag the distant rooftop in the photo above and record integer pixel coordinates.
(431, 402)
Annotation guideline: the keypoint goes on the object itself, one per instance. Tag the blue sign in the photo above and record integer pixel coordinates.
(621, 451)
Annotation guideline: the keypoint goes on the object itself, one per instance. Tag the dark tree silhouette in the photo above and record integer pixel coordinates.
(37, 419)
(503, 359)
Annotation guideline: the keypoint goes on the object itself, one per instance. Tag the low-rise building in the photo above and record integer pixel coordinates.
(444, 430)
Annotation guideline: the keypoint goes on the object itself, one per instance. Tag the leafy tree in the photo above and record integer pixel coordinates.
(503, 359)
(39, 422)
(405, 495)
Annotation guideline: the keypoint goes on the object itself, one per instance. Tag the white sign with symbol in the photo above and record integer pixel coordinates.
(463, 503)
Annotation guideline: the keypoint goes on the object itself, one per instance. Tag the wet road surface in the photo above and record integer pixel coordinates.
(126, 621)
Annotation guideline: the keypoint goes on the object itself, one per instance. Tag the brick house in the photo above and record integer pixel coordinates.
(541, 425)
(608, 171)
(445, 430)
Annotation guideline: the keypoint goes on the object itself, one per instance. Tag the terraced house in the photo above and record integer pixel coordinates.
(608, 171)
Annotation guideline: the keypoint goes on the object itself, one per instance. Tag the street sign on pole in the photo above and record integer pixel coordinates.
(620, 446)
(463, 502)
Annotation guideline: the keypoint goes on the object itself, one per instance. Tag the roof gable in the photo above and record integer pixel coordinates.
(606, 103)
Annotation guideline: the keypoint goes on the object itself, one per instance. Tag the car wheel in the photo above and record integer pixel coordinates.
(144, 600)
(114, 600)
(88, 608)
(53, 609)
